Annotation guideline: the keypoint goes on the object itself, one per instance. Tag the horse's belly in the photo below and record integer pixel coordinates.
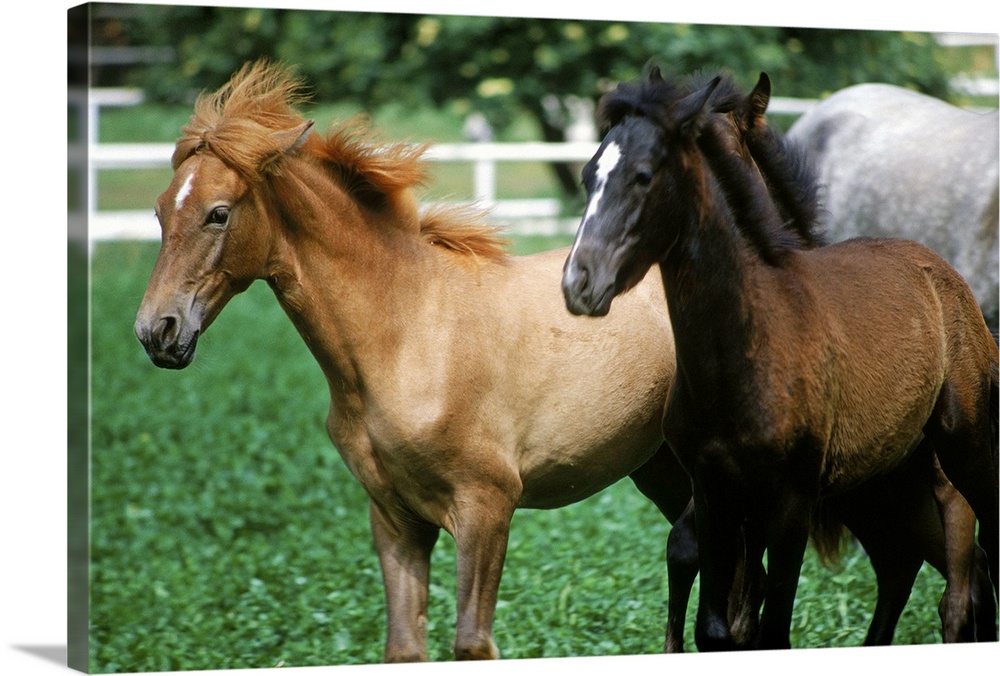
(570, 474)
(581, 441)
(858, 452)
(588, 402)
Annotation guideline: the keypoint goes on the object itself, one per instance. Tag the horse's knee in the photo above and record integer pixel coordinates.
(475, 647)
(958, 624)
(404, 654)
(682, 550)
(713, 635)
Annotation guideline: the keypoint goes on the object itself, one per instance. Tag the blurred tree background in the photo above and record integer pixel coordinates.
(498, 67)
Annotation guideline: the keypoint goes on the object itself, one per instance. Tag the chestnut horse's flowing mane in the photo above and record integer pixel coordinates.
(238, 124)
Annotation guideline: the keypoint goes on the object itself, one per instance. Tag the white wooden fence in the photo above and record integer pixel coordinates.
(522, 216)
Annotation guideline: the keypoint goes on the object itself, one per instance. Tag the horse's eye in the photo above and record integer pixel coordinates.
(218, 216)
(643, 177)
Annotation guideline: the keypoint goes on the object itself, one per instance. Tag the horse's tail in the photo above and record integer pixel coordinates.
(828, 535)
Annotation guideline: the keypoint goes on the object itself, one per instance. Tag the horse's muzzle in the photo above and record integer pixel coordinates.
(166, 341)
(583, 296)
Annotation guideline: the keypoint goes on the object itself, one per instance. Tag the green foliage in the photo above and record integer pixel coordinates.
(502, 65)
(226, 532)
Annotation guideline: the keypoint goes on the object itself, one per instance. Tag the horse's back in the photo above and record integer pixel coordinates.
(896, 163)
(876, 281)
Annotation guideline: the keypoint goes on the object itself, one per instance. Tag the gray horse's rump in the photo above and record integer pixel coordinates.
(895, 163)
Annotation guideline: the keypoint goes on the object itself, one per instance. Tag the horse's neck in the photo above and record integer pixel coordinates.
(338, 277)
(733, 247)
(708, 278)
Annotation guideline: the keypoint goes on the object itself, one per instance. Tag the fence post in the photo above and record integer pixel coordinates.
(485, 181)
(484, 174)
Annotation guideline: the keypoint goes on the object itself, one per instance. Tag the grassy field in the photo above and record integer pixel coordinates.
(227, 533)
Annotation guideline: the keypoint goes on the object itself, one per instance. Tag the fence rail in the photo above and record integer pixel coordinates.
(524, 216)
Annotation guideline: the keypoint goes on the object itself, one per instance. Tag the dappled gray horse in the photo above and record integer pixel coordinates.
(896, 163)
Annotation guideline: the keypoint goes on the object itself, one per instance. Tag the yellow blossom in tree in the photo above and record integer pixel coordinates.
(497, 86)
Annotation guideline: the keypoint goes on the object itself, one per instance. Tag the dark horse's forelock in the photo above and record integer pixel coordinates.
(651, 98)
(654, 97)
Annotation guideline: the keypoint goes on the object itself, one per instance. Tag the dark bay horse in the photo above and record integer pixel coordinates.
(897, 163)
(460, 387)
(916, 503)
(803, 372)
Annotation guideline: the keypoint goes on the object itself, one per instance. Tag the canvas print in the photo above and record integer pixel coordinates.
(431, 337)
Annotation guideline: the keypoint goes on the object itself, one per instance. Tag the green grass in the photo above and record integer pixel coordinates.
(227, 533)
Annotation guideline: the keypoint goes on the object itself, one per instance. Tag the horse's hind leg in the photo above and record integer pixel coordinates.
(404, 551)
(963, 431)
(958, 621)
(896, 564)
(892, 516)
(895, 577)
(984, 604)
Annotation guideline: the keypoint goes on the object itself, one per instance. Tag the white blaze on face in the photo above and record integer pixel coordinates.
(606, 163)
(184, 191)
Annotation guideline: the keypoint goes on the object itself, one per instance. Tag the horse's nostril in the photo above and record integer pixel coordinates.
(166, 330)
(574, 277)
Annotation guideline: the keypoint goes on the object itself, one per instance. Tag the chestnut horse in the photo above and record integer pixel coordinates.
(460, 387)
(803, 372)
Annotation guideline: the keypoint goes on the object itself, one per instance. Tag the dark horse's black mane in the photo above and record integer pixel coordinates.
(786, 166)
(781, 218)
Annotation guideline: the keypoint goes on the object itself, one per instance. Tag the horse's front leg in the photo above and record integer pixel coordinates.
(787, 536)
(682, 569)
(749, 586)
(481, 530)
(404, 550)
(663, 480)
(718, 519)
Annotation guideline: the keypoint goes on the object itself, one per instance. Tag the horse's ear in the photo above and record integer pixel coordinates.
(286, 141)
(691, 110)
(655, 75)
(760, 97)
(290, 140)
